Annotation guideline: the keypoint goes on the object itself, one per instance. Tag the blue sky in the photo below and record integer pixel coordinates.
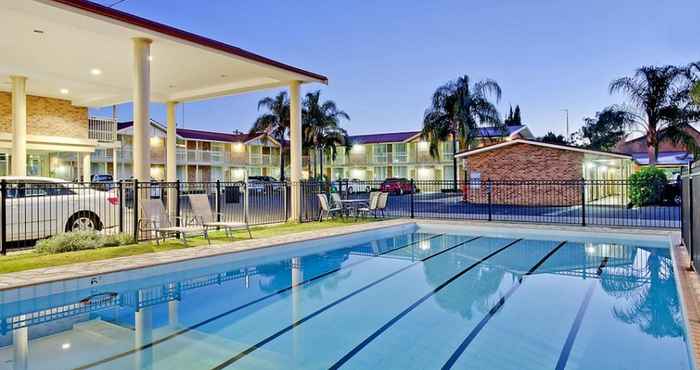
(385, 58)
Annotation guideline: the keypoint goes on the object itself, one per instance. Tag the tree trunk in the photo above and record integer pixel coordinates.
(454, 162)
(281, 162)
(652, 146)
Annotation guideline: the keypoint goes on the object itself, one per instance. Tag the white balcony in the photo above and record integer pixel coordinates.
(102, 129)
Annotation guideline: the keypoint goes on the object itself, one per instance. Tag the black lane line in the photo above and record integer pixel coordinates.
(235, 309)
(410, 308)
(497, 307)
(569, 344)
(308, 317)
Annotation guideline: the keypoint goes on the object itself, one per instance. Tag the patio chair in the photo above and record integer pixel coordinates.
(203, 213)
(371, 205)
(156, 219)
(326, 208)
(382, 200)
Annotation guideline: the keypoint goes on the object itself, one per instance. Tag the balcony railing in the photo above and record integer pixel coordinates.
(101, 155)
(102, 129)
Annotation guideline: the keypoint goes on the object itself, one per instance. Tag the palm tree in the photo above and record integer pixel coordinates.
(457, 111)
(321, 127)
(661, 105)
(275, 122)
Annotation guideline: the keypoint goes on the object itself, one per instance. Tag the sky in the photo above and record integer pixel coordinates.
(385, 58)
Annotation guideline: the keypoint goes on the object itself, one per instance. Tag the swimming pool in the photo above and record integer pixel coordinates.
(404, 297)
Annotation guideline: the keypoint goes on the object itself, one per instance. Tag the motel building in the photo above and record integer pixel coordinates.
(61, 57)
(375, 157)
(200, 155)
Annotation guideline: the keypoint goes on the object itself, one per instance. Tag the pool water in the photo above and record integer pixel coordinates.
(405, 298)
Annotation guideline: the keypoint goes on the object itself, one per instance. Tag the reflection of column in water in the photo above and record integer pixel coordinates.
(297, 278)
(174, 307)
(20, 339)
(143, 322)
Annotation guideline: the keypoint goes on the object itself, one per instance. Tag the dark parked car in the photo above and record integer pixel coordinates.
(102, 182)
(672, 193)
(397, 186)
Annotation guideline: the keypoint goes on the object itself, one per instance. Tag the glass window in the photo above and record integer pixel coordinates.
(379, 153)
(400, 171)
(400, 153)
(380, 173)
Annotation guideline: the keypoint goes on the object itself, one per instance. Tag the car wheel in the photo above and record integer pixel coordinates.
(400, 191)
(677, 199)
(350, 190)
(83, 221)
(368, 189)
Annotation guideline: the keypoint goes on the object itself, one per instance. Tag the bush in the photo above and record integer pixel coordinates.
(80, 240)
(647, 186)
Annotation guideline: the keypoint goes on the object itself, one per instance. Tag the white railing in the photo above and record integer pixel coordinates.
(102, 129)
(102, 155)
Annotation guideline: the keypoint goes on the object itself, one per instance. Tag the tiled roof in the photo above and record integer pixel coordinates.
(391, 137)
(201, 134)
(664, 158)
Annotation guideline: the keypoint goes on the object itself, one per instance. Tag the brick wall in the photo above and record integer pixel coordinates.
(640, 145)
(548, 169)
(47, 116)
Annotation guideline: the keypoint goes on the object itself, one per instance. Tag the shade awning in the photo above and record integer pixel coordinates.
(82, 51)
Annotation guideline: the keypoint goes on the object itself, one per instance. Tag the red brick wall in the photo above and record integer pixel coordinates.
(546, 167)
(640, 145)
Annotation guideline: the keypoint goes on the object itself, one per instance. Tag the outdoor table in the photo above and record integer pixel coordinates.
(353, 204)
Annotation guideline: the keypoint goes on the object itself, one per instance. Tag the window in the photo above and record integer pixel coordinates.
(379, 153)
(380, 173)
(400, 153)
(447, 173)
(475, 179)
(400, 171)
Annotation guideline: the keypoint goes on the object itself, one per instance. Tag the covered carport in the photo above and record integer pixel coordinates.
(95, 56)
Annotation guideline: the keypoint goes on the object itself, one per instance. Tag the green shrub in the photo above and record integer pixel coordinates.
(80, 240)
(647, 186)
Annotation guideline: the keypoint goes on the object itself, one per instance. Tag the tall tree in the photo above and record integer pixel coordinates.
(695, 93)
(662, 109)
(274, 122)
(605, 130)
(517, 120)
(321, 127)
(457, 111)
(509, 119)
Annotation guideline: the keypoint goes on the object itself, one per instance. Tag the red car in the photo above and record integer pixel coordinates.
(398, 186)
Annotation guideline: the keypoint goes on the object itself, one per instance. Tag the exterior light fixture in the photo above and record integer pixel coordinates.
(64, 91)
(95, 71)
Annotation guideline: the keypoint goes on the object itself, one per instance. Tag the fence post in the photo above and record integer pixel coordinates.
(245, 202)
(5, 224)
(583, 202)
(121, 206)
(177, 202)
(136, 210)
(691, 237)
(489, 187)
(413, 193)
(218, 201)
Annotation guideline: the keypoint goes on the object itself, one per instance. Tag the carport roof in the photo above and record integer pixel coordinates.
(82, 51)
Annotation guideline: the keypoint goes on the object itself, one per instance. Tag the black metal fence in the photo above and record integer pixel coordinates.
(690, 226)
(33, 210)
(580, 202)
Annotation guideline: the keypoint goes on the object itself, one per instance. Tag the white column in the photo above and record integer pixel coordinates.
(20, 342)
(295, 148)
(19, 125)
(85, 158)
(170, 145)
(142, 93)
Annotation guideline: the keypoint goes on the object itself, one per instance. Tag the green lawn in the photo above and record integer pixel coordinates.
(32, 260)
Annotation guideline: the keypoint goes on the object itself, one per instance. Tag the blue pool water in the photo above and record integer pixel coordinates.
(401, 298)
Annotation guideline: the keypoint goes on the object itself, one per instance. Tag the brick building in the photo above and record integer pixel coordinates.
(551, 166)
(670, 156)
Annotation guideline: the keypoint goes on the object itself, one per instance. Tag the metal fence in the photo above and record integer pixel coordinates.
(581, 202)
(690, 228)
(33, 210)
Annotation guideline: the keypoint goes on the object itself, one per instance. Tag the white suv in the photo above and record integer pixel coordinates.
(39, 207)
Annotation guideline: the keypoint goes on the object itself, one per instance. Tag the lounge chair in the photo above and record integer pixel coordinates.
(371, 206)
(203, 213)
(326, 208)
(155, 219)
(381, 203)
